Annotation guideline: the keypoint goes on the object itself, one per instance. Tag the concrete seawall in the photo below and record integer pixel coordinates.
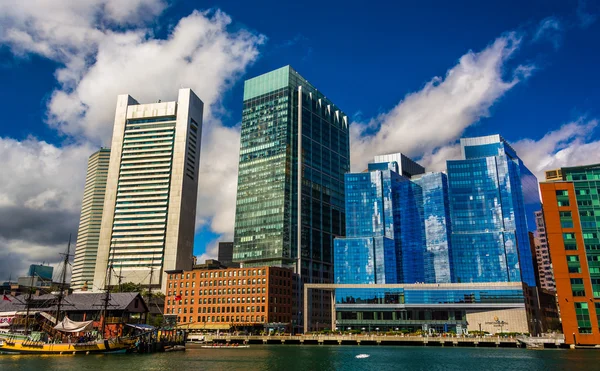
(490, 342)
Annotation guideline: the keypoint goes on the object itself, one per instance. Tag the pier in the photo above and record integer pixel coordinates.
(385, 340)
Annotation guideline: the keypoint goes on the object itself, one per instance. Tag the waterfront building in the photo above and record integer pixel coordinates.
(542, 254)
(149, 215)
(123, 308)
(385, 235)
(92, 206)
(225, 254)
(492, 200)
(572, 214)
(458, 307)
(457, 238)
(291, 135)
(212, 297)
(282, 114)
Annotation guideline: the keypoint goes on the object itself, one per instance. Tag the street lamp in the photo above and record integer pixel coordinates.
(377, 329)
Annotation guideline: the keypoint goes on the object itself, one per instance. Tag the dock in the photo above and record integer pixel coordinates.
(384, 340)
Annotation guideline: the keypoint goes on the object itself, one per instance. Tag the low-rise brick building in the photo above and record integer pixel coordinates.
(211, 296)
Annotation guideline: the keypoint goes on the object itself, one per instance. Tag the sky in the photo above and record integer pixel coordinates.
(413, 76)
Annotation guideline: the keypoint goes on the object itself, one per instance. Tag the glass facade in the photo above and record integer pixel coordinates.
(492, 200)
(422, 308)
(436, 215)
(416, 296)
(385, 212)
(277, 107)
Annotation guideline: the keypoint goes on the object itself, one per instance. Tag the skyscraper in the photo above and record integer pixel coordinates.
(150, 203)
(291, 135)
(492, 200)
(92, 205)
(385, 233)
(572, 214)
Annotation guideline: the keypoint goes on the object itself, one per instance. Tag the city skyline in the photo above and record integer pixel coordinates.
(515, 59)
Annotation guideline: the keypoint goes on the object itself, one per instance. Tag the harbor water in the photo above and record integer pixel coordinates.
(309, 357)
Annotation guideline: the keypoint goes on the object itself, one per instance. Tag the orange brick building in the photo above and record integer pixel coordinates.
(571, 208)
(214, 297)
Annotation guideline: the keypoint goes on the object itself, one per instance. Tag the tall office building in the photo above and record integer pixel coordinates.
(385, 231)
(438, 227)
(572, 217)
(150, 203)
(492, 200)
(542, 254)
(84, 266)
(225, 255)
(291, 135)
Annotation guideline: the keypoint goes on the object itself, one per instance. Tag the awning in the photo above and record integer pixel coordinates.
(141, 327)
(6, 318)
(203, 326)
(66, 325)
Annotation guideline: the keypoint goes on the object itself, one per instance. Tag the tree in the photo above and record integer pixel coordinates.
(128, 287)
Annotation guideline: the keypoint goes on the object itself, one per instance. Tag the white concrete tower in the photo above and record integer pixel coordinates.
(84, 266)
(150, 204)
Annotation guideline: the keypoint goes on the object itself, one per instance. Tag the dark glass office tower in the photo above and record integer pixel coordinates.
(282, 114)
(493, 197)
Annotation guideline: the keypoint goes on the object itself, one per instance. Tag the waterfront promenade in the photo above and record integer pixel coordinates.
(398, 340)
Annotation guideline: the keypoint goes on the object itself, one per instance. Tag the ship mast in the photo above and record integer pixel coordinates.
(107, 289)
(63, 280)
(28, 305)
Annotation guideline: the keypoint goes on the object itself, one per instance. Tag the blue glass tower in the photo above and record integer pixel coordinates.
(385, 233)
(491, 193)
(436, 216)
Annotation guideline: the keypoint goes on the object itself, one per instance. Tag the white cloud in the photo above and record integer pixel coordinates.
(549, 29)
(568, 146)
(212, 251)
(427, 120)
(105, 48)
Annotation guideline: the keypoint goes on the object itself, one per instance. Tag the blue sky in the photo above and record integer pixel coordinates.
(527, 70)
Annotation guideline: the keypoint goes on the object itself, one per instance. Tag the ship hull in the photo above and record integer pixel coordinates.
(30, 347)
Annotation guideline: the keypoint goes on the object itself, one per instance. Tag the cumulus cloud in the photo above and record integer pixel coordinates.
(434, 117)
(40, 200)
(549, 29)
(104, 48)
(570, 145)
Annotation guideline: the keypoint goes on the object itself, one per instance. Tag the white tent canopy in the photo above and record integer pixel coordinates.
(6, 318)
(66, 325)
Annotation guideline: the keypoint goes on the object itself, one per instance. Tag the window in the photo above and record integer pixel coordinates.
(573, 264)
(577, 287)
(583, 318)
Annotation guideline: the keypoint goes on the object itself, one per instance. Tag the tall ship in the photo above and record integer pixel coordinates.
(39, 324)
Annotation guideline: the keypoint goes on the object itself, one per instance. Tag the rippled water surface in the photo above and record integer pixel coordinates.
(305, 357)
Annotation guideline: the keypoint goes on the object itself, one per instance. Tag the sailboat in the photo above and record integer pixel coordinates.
(45, 342)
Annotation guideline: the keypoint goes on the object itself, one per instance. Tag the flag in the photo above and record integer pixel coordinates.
(6, 298)
(177, 297)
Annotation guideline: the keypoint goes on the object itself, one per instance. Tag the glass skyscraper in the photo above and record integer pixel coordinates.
(291, 134)
(384, 228)
(492, 200)
(436, 216)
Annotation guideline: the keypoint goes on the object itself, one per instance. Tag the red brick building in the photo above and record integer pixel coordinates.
(211, 296)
